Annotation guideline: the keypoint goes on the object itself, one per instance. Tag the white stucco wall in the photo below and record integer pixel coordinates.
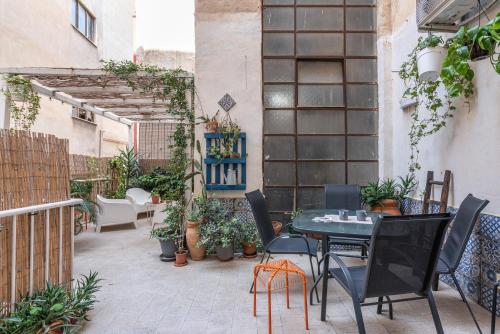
(40, 34)
(228, 60)
(470, 144)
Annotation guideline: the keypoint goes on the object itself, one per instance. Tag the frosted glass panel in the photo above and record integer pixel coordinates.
(279, 148)
(311, 198)
(361, 70)
(361, 44)
(320, 18)
(360, 2)
(321, 96)
(277, 44)
(280, 199)
(279, 173)
(362, 122)
(278, 96)
(320, 72)
(279, 70)
(362, 96)
(362, 172)
(320, 121)
(320, 173)
(320, 44)
(360, 19)
(278, 2)
(321, 148)
(362, 148)
(319, 2)
(279, 121)
(278, 18)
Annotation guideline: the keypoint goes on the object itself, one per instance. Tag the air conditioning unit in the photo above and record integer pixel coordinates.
(448, 15)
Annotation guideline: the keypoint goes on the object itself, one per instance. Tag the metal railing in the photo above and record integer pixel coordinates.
(31, 211)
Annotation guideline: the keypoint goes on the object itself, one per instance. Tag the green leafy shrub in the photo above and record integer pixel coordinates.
(170, 228)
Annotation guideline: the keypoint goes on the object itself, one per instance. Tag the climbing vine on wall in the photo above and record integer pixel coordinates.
(24, 102)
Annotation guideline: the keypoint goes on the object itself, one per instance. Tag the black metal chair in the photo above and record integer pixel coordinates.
(345, 196)
(284, 243)
(403, 254)
(454, 246)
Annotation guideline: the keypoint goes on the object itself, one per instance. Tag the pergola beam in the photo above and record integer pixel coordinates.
(64, 71)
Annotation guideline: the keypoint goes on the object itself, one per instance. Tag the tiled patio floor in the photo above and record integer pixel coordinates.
(140, 294)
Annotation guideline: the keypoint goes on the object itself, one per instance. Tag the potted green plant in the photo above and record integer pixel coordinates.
(386, 196)
(211, 123)
(226, 233)
(168, 231)
(196, 251)
(155, 196)
(181, 253)
(430, 57)
(249, 238)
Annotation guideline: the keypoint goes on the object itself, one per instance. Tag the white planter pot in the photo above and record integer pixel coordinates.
(429, 63)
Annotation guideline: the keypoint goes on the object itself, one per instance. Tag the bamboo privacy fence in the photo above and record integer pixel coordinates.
(34, 169)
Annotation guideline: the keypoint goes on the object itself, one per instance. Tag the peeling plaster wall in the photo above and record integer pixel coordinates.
(469, 145)
(166, 58)
(228, 60)
(40, 34)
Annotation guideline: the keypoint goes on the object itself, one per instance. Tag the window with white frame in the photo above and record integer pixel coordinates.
(83, 114)
(82, 20)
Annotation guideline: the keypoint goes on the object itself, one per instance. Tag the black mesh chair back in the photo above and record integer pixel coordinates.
(262, 218)
(461, 229)
(343, 196)
(403, 254)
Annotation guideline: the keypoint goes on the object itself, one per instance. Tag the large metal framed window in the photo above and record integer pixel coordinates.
(319, 68)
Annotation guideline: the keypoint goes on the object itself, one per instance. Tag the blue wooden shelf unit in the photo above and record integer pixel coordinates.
(216, 169)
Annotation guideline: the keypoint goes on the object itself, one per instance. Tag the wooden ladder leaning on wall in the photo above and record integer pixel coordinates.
(443, 202)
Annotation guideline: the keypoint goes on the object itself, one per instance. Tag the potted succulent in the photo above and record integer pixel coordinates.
(386, 196)
(249, 239)
(168, 231)
(155, 196)
(430, 57)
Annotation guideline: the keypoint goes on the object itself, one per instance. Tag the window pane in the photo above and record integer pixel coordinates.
(278, 18)
(360, 19)
(311, 198)
(279, 96)
(362, 172)
(278, 44)
(323, 147)
(278, 2)
(362, 122)
(280, 199)
(320, 18)
(320, 44)
(81, 18)
(320, 121)
(279, 148)
(319, 2)
(359, 44)
(74, 9)
(279, 70)
(320, 72)
(279, 121)
(321, 96)
(362, 148)
(361, 70)
(360, 2)
(362, 96)
(90, 27)
(320, 173)
(279, 174)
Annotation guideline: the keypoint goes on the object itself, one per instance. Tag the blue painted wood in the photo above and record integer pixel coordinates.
(218, 135)
(244, 156)
(225, 161)
(208, 168)
(226, 187)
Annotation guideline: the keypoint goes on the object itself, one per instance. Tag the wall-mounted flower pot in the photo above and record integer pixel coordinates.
(181, 258)
(168, 249)
(224, 253)
(389, 206)
(192, 238)
(212, 126)
(430, 62)
(476, 53)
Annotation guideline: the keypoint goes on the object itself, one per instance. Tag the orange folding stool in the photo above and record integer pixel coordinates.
(276, 275)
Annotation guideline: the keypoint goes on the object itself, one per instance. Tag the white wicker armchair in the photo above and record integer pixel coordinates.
(114, 212)
(140, 199)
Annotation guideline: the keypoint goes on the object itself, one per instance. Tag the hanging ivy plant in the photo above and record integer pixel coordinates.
(425, 93)
(24, 101)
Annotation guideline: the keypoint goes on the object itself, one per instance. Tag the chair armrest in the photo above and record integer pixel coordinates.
(289, 236)
(347, 274)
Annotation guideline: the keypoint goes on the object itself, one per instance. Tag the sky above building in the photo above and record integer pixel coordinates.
(165, 24)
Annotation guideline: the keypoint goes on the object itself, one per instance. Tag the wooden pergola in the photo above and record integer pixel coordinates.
(96, 91)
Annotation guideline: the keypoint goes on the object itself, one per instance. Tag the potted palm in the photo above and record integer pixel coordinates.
(168, 231)
(249, 239)
(386, 196)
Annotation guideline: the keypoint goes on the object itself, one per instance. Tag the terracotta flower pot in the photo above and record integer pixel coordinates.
(54, 328)
(389, 206)
(180, 258)
(155, 199)
(249, 249)
(212, 126)
(192, 238)
(277, 226)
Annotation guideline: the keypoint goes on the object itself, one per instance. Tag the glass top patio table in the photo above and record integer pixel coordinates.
(304, 223)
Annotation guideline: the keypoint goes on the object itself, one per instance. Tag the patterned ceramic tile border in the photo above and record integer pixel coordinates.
(481, 260)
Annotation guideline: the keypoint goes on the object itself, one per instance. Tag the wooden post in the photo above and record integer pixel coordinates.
(4, 106)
